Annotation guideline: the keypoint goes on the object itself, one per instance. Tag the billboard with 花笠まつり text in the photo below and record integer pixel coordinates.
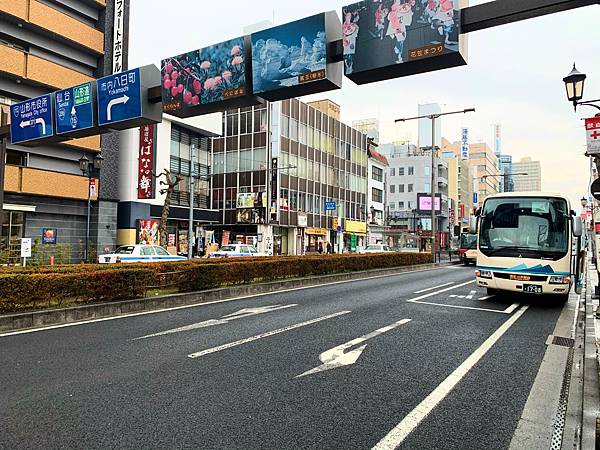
(385, 39)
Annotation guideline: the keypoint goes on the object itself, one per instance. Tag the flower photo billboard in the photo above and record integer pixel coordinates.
(210, 79)
(293, 59)
(385, 39)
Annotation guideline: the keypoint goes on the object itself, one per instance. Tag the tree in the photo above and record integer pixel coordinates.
(170, 182)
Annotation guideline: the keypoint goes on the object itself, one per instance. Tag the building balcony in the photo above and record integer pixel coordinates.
(55, 23)
(26, 180)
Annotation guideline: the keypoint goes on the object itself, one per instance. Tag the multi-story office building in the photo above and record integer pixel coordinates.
(530, 182)
(45, 46)
(283, 173)
(183, 147)
(507, 181)
(460, 190)
(409, 174)
(376, 195)
(484, 166)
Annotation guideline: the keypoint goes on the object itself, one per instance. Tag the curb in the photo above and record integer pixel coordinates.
(37, 319)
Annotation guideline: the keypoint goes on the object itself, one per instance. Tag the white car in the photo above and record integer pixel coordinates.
(138, 253)
(236, 250)
(377, 248)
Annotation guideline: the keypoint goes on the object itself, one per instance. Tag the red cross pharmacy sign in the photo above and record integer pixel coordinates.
(592, 130)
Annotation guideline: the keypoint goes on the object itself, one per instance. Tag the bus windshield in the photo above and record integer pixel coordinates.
(528, 227)
(468, 241)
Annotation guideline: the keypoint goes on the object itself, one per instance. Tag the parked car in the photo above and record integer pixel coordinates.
(138, 253)
(236, 250)
(377, 248)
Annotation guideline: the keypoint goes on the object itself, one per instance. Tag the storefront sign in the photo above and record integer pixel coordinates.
(146, 182)
(93, 189)
(49, 235)
(353, 226)
(148, 233)
(274, 189)
(245, 200)
(171, 238)
(592, 130)
(302, 220)
(118, 23)
(330, 206)
(317, 231)
(25, 247)
(353, 242)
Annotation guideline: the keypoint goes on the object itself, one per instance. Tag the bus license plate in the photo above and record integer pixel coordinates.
(532, 289)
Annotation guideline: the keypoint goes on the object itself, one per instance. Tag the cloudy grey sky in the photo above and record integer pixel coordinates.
(514, 76)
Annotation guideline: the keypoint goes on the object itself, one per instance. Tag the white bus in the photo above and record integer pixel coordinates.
(528, 242)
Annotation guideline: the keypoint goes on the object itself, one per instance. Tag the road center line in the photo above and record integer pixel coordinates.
(431, 294)
(435, 287)
(264, 335)
(401, 431)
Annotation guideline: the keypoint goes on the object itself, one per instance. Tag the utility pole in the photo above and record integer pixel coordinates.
(433, 118)
(191, 209)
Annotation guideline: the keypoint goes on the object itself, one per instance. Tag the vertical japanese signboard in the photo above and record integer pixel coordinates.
(274, 190)
(464, 147)
(119, 16)
(592, 131)
(145, 184)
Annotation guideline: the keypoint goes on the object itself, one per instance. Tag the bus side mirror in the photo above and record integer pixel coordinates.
(577, 226)
(473, 224)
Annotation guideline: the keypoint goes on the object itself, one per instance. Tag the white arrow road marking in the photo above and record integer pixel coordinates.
(264, 335)
(337, 357)
(113, 102)
(435, 287)
(246, 312)
(471, 295)
(400, 432)
(39, 120)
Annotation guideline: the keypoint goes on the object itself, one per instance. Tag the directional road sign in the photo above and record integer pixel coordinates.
(74, 108)
(330, 206)
(31, 119)
(119, 97)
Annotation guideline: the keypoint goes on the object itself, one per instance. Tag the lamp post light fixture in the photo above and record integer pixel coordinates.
(89, 169)
(574, 83)
(433, 118)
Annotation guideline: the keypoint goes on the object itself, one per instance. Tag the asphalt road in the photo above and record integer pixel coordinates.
(448, 371)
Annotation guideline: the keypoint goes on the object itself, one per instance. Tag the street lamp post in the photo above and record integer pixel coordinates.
(89, 169)
(505, 176)
(574, 83)
(433, 118)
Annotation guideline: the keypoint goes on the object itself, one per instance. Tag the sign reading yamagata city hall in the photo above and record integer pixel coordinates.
(389, 39)
(31, 119)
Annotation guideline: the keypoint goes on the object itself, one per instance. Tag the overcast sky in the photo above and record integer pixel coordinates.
(514, 77)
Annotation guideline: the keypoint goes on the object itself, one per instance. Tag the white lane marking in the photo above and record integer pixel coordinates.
(338, 357)
(435, 287)
(431, 294)
(485, 298)
(246, 312)
(506, 311)
(401, 431)
(264, 335)
(214, 302)
(471, 295)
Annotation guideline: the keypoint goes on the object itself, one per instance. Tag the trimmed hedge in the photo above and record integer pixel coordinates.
(80, 284)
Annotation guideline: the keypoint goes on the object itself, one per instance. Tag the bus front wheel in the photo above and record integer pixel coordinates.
(491, 291)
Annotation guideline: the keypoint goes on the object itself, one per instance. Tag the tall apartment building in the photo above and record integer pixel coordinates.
(460, 190)
(275, 168)
(409, 174)
(484, 166)
(376, 195)
(530, 182)
(45, 46)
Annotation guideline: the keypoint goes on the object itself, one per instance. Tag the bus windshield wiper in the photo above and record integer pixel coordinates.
(511, 247)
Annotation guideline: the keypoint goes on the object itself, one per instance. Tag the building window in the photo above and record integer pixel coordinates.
(377, 195)
(392, 189)
(401, 171)
(400, 188)
(377, 174)
(410, 188)
(15, 158)
(392, 205)
(401, 205)
(411, 171)
(393, 172)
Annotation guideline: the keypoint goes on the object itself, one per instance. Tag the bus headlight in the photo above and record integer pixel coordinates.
(559, 279)
(484, 274)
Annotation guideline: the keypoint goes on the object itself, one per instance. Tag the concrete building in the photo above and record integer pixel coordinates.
(460, 190)
(376, 196)
(275, 168)
(409, 174)
(177, 142)
(507, 181)
(370, 127)
(45, 46)
(484, 166)
(533, 180)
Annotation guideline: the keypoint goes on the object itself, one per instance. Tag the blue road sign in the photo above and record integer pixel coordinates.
(330, 206)
(31, 119)
(74, 108)
(119, 97)
(475, 198)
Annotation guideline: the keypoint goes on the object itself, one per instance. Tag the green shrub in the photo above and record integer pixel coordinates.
(30, 288)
